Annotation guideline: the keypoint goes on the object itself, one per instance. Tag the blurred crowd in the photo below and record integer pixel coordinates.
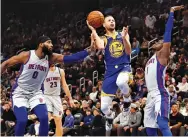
(70, 34)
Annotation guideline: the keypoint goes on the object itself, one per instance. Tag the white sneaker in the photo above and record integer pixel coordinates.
(108, 126)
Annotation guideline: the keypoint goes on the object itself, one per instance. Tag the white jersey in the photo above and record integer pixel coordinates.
(52, 83)
(155, 74)
(33, 73)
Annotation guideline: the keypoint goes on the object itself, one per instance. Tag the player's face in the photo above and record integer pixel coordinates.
(47, 47)
(109, 23)
(158, 45)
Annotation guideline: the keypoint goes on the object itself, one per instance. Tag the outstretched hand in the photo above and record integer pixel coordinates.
(125, 31)
(175, 8)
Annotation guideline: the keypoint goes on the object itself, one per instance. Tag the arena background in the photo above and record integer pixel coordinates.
(64, 21)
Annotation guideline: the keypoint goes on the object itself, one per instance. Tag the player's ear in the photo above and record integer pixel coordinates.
(41, 45)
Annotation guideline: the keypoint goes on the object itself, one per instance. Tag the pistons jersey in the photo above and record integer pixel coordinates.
(52, 83)
(32, 73)
(155, 75)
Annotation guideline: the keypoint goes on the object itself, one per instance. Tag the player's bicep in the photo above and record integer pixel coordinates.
(100, 43)
(165, 51)
(63, 80)
(18, 59)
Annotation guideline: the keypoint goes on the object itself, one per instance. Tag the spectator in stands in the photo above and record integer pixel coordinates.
(176, 120)
(150, 21)
(121, 121)
(8, 119)
(90, 86)
(34, 128)
(134, 121)
(76, 109)
(93, 94)
(144, 44)
(184, 128)
(85, 125)
(69, 121)
(98, 125)
(173, 95)
(183, 88)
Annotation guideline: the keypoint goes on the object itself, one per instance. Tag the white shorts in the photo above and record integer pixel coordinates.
(54, 105)
(23, 98)
(157, 104)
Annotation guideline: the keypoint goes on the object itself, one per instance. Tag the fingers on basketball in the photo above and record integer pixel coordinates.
(95, 19)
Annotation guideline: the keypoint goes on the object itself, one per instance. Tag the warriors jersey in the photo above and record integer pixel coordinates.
(115, 57)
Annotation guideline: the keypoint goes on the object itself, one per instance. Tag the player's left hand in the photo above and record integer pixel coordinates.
(124, 32)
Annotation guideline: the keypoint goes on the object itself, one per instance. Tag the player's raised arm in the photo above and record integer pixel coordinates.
(126, 40)
(165, 51)
(20, 58)
(98, 41)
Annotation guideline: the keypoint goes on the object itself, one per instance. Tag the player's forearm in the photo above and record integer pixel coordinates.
(169, 27)
(75, 57)
(67, 91)
(127, 45)
(98, 41)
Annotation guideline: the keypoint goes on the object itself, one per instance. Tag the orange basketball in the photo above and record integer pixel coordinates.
(95, 19)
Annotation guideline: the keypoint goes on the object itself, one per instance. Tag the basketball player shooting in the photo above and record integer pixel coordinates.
(52, 89)
(27, 93)
(158, 101)
(117, 51)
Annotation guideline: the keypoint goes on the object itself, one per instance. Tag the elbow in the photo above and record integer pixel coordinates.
(101, 46)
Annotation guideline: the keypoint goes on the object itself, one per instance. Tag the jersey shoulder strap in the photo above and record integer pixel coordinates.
(59, 72)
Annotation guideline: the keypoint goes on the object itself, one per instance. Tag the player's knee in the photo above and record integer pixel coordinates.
(43, 117)
(122, 79)
(41, 112)
(22, 121)
(162, 122)
(105, 108)
(21, 115)
(57, 120)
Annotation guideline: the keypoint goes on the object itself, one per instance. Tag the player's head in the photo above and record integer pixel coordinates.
(109, 23)
(52, 65)
(158, 45)
(45, 43)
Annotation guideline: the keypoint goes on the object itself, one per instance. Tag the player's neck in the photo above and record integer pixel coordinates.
(110, 33)
(39, 53)
(52, 68)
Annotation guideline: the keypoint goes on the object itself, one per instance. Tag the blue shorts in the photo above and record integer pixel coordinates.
(109, 84)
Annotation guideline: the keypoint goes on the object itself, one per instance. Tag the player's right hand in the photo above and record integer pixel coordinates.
(90, 27)
(175, 8)
(71, 102)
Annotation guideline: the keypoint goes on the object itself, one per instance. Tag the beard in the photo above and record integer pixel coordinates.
(46, 51)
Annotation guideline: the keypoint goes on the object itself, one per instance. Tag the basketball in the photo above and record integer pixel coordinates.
(95, 19)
